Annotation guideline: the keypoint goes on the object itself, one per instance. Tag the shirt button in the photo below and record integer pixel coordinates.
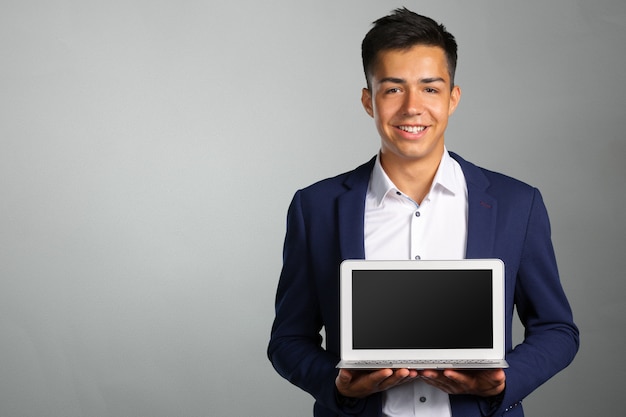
(422, 399)
(417, 214)
(417, 257)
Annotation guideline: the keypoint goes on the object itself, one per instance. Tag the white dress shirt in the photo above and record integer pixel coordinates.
(396, 227)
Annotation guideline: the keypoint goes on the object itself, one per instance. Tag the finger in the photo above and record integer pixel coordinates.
(458, 377)
(441, 382)
(485, 383)
(483, 377)
(382, 374)
(430, 373)
(383, 378)
(397, 377)
(344, 377)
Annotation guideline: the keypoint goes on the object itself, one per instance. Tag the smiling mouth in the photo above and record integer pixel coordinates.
(412, 129)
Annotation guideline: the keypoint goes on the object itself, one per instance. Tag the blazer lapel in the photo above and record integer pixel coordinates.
(481, 224)
(482, 210)
(351, 212)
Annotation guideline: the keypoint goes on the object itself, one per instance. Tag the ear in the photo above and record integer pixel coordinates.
(455, 97)
(366, 100)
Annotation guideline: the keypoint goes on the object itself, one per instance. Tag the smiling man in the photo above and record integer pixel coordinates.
(415, 200)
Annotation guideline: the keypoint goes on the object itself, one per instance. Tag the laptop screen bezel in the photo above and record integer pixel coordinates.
(498, 310)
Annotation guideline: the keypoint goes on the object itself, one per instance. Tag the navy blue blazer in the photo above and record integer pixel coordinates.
(507, 219)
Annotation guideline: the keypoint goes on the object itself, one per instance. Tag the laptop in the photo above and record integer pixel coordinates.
(422, 314)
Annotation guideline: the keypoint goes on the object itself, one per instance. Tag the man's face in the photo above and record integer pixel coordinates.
(410, 100)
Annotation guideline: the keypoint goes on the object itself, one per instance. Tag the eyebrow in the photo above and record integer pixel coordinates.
(395, 80)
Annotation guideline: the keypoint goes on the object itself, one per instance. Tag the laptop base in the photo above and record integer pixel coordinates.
(423, 364)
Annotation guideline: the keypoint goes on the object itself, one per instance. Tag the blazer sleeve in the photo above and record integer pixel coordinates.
(295, 347)
(551, 338)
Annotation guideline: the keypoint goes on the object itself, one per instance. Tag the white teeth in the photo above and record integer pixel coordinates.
(412, 129)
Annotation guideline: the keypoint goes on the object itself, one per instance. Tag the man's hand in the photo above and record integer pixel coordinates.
(360, 384)
(484, 383)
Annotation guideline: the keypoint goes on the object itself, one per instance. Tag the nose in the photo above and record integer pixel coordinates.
(413, 105)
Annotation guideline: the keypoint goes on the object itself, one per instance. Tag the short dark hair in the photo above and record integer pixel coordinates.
(402, 30)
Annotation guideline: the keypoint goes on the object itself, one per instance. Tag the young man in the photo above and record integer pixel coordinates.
(415, 200)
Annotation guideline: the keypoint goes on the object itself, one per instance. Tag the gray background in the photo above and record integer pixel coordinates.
(149, 150)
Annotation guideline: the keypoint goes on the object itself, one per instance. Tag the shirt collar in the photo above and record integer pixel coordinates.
(445, 179)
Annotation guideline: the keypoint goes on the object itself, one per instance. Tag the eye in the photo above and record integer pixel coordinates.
(431, 90)
(393, 90)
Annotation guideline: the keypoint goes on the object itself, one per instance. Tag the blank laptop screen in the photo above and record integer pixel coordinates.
(422, 309)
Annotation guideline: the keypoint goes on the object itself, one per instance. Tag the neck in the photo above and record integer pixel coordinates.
(413, 178)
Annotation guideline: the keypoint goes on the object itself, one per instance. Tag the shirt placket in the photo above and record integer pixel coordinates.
(417, 221)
